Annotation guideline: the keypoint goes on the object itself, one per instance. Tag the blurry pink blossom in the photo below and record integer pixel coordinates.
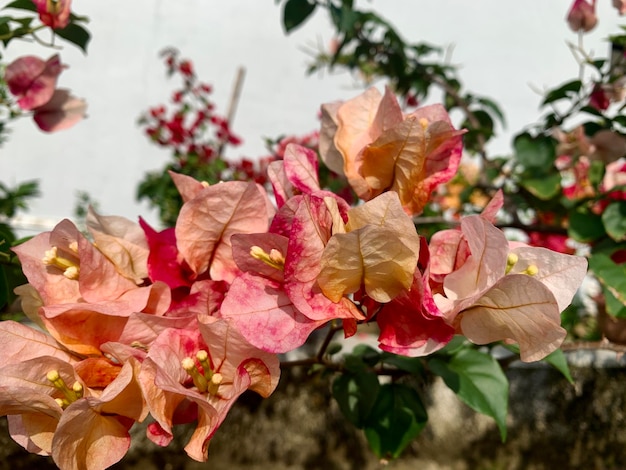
(54, 13)
(582, 16)
(620, 5)
(32, 80)
(61, 112)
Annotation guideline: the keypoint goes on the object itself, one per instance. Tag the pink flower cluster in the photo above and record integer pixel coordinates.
(33, 82)
(176, 324)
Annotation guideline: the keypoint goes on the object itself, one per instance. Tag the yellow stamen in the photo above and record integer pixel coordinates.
(71, 273)
(70, 394)
(511, 260)
(531, 270)
(216, 381)
(78, 389)
(73, 246)
(203, 359)
(199, 380)
(69, 268)
(423, 122)
(274, 258)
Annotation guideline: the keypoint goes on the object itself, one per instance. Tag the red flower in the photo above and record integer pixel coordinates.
(54, 13)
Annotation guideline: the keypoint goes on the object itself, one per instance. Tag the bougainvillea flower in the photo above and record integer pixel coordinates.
(32, 80)
(51, 409)
(295, 174)
(197, 375)
(85, 301)
(379, 251)
(206, 223)
(123, 242)
(61, 112)
(384, 150)
(54, 13)
(507, 294)
(582, 16)
(411, 324)
(263, 313)
(277, 303)
(311, 230)
(620, 5)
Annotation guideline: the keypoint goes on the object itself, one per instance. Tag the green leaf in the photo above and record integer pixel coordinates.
(566, 90)
(22, 5)
(543, 188)
(614, 306)
(366, 354)
(611, 275)
(558, 360)
(412, 365)
(614, 220)
(75, 34)
(479, 382)
(536, 153)
(396, 419)
(356, 394)
(296, 12)
(585, 226)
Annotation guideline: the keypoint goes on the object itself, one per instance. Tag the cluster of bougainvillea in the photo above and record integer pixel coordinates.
(176, 324)
(191, 126)
(32, 80)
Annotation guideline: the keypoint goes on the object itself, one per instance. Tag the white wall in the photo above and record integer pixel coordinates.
(503, 46)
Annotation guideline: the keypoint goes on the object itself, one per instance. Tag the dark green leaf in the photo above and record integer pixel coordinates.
(614, 220)
(22, 5)
(611, 275)
(566, 90)
(536, 153)
(75, 34)
(543, 188)
(558, 360)
(478, 380)
(614, 306)
(366, 354)
(412, 365)
(356, 394)
(296, 12)
(396, 419)
(585, 226)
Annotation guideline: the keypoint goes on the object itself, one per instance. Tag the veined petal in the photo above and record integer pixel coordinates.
(520, 309)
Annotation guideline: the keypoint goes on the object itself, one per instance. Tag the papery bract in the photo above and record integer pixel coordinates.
(206, 223)
(379, 251)
(491, 297)
(61, 112)
(582, 16)
(384, 150)
(54, 13)
(123, 242)
(411, 324)
(33, 80)
(171, 389)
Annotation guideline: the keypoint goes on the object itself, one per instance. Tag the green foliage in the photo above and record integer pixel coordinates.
(75, 34)
(392, 414)
(296, 12)
(477, 379)
(614, 220)
(397, 417)
(10, 270)
(612, 277)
